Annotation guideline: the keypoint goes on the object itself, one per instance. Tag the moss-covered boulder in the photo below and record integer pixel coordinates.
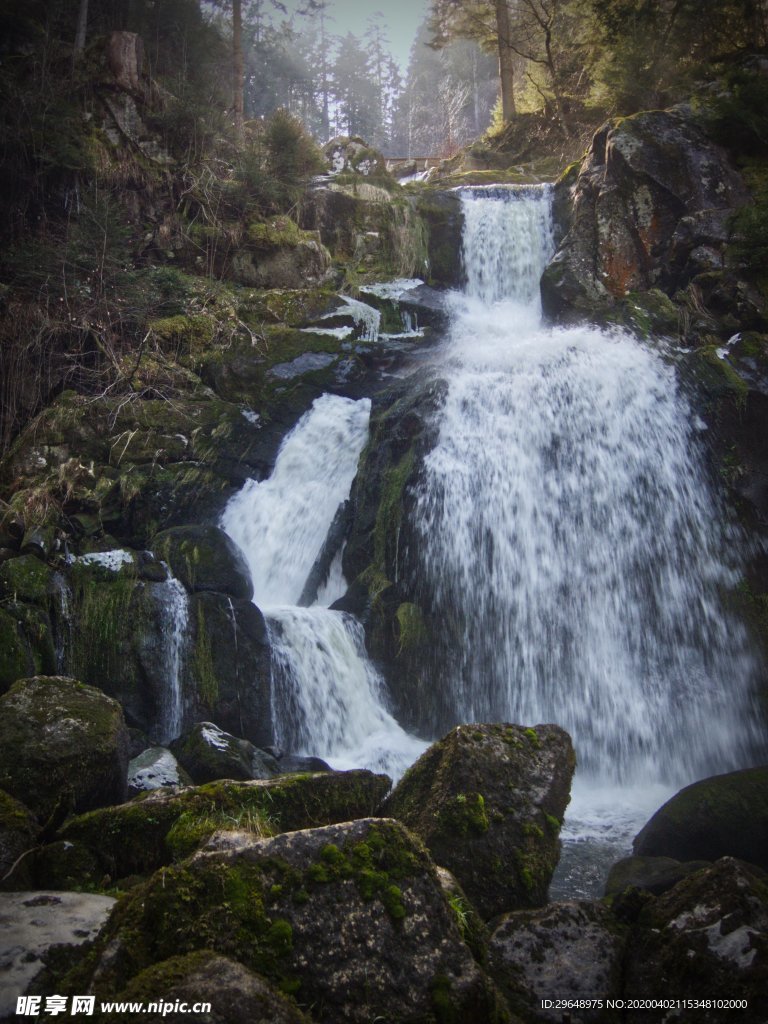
(709, 933)
(233, 993)
(208, 753)
(651, 874)
(62, 741)
(26, 642)
(159, 827)
(570, 950)
(349, 919)
(488, 801)
(726, 815)
(18, 832)
(205, 558)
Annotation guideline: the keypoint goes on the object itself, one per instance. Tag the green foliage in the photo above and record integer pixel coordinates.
(738, 115)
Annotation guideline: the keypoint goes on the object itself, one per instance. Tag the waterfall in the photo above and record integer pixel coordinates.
(328, 699)
(567, 527)
(173, 609)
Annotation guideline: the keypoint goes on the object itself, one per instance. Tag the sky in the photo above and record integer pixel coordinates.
(402, 18)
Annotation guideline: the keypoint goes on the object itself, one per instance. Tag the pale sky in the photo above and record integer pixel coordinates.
(402, 18)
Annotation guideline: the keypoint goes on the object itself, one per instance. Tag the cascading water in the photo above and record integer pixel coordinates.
(568, 529)
(173, 609)
(328, 699)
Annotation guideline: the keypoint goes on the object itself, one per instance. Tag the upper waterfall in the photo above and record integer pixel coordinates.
(568, 527)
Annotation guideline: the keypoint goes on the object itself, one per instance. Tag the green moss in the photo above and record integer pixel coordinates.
(443, 1003)
(730, 381)
(275, 234)
(465, 814)
(203, 665)
(390, 509)
(533, 736)
(553, 824)
(411, 629)
(185, 335)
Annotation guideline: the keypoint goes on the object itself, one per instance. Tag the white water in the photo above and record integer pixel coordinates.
(173, 605)
(328, 699)
(568, 527)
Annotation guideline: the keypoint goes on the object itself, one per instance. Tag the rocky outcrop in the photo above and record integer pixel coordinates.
(650, 208)
(488, 801)
(726, 815)
(62, 744)
(155, 768)
(163, 826)
(205, 558)
(272, 904)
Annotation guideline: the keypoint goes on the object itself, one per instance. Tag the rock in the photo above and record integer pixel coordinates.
(707, 934)
(354, 156)
(18, 832)
(273, 903)
(441, 212)
(61, 740)
(648, 209)
(26, 579)
(31, 923)
(651, 874)
(570, 950)
(26, 642)
(234, 993)
(488, 801)
(208, 753)
(64, 865)
(125, 56)
(296, 265)
(159, 827)
(726, 815)
(155, 768)
(205, 558)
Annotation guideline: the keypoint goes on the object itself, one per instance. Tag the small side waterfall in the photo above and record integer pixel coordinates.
(173, 611)
(328, 699)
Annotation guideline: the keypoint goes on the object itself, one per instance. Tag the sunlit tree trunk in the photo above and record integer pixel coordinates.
(82, 25)
(506, 60)
(238, 74)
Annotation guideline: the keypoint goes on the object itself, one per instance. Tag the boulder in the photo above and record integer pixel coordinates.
(569, 950)
(62, 741)
(294, 265)
(726, 815)
(205, 558)
(158, 827)
(354, 156)
(208, 753)
(349, 919)
(707, 935)
(488, 801)
(155, 768)
(650, 874)
(33, 922)
(18, 832)
(234, 993)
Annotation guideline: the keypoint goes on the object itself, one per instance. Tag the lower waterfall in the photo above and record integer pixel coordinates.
(328, 698)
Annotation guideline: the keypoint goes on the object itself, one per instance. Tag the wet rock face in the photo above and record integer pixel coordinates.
(649, 209)
(488, 801)
(205, 558)
(350, 919)
(61, 740)
(726, 815)
(565, 951)
(208, 753)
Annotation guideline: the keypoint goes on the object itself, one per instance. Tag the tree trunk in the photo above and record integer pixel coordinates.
(506, 60)
(82, 25)
(237, 67)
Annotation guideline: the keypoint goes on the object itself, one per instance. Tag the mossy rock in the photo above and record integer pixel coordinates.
(68, 866)
(62, 741)
(18, 832)
(272, 905)
(26, 644)
(158, 827)
(26, 579)
(469, 798)
(208, 753)
(707, 933)
(725, 815)
(205, 558)
(234, 993)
